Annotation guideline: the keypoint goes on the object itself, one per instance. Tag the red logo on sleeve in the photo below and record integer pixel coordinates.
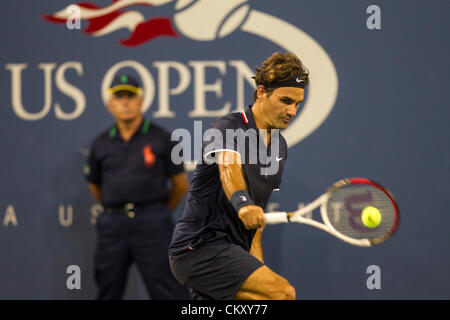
(149, 156)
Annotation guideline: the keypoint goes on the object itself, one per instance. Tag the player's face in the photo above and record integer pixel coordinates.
(125, 106)
(282, 105)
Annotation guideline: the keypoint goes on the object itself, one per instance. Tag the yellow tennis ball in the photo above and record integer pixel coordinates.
(371, 217)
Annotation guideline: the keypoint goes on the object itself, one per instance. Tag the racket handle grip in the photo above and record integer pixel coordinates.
(276, 217)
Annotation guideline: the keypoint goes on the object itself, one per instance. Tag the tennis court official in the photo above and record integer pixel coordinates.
(128, 171)
(216, 247)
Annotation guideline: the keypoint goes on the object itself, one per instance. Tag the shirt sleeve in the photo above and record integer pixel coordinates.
(221, 136)
(92, 167)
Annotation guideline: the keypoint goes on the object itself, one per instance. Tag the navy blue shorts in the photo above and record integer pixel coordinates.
(215, 270)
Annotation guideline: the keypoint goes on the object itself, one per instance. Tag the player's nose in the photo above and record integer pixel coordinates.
(291, 110)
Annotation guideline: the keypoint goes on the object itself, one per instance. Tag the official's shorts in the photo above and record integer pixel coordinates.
(215, 270)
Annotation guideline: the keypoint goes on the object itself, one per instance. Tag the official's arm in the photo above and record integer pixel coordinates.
(180, 186)
(95, 190)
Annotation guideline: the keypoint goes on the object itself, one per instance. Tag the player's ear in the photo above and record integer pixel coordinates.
(261, 92)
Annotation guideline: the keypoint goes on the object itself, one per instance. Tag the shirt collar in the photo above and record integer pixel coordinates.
(247, 116)
(145, 125)
(249, 121)
(143, 129)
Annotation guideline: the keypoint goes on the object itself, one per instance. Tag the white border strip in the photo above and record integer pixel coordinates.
(245, 117)
(217, 150)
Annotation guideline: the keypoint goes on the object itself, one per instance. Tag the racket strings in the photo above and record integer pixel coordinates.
(344, 211)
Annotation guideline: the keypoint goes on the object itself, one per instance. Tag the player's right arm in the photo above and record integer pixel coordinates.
(232, 178)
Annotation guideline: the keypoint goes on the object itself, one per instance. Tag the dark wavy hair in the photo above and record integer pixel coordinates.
(280, 66)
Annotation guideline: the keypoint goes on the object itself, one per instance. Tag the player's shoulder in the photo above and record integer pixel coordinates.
(283, 140)
(229, 121)
(283, 144)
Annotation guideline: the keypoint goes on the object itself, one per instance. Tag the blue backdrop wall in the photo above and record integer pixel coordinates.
(377, 107)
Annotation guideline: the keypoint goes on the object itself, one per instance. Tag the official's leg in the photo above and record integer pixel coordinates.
(150, 244)
(112, 258)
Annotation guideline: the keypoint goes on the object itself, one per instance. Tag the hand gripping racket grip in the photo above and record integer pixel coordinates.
(276, 217)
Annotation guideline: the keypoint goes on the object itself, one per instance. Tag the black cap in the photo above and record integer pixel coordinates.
(125, 82)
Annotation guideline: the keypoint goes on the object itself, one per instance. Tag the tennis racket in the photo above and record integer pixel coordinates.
(341, 209)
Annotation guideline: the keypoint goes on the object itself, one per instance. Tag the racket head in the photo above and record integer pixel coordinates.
(342, 211)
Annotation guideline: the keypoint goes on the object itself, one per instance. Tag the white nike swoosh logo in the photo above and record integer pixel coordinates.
(299, 80)
(278, 158)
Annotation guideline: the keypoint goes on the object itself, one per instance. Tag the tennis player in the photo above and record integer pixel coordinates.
(216, 248)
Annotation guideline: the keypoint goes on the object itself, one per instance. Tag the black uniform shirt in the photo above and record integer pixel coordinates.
(136, 171)
(208, 215)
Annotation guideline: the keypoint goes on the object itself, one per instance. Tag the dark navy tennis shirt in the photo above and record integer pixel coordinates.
(208, 215)
(136, 171)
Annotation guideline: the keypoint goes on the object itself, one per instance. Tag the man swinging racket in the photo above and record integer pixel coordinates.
(216, 247)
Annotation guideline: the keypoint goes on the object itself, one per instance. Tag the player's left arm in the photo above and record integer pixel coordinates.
(180, 186)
